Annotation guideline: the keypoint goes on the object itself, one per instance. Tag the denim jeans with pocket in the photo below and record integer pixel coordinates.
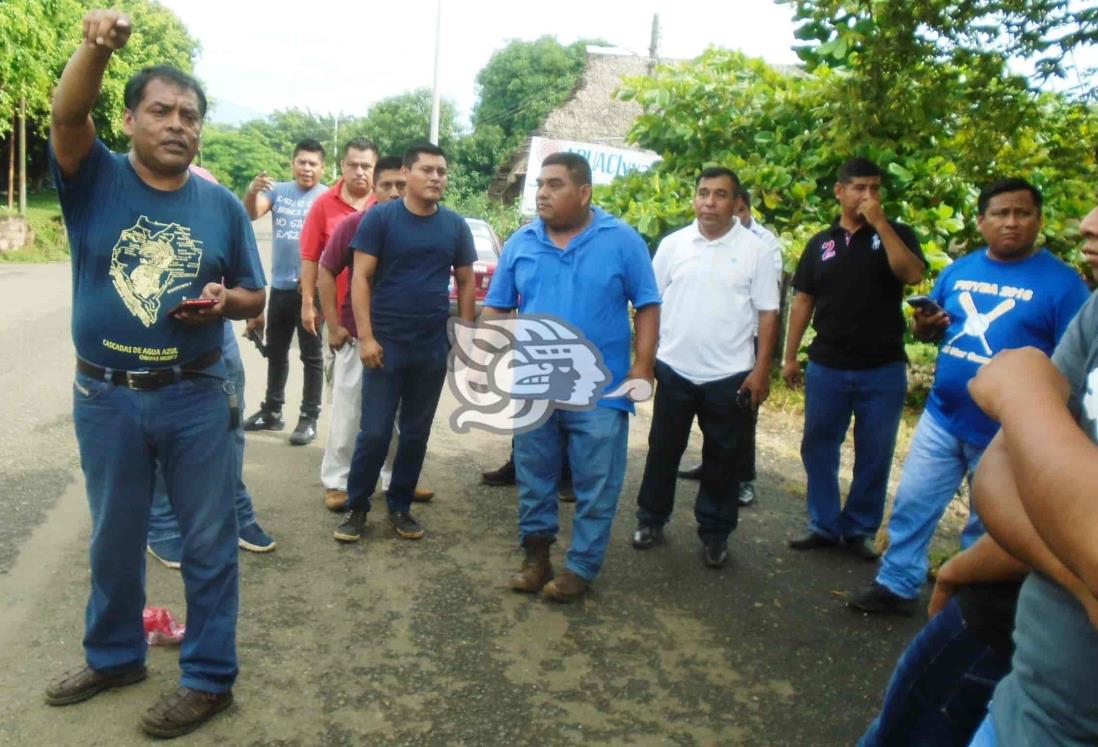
(123, 435)
(410, 380)
(941, 687)
(596, 442)
(936, 463)
(875, 398)
(162, 522)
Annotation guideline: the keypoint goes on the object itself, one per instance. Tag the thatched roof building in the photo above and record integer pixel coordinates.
(590, 115)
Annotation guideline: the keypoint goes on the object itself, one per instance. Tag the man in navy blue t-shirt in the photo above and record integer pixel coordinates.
(150, 384)
(404, 252)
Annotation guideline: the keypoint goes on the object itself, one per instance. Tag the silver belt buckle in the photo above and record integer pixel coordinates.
(134, 379)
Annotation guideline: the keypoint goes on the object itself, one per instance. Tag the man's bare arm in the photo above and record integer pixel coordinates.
(256, 201)
(800, 314)
(362, 282)
(983, 562)
(646, 331)
(71, 129)
(326, 286)
(465, 280)
(996, 497)
(1053, 462)
(309, 274)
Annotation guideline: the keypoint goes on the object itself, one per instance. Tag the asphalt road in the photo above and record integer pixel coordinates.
(421, 642)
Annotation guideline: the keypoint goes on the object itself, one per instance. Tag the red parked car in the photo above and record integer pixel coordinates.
(488, 249)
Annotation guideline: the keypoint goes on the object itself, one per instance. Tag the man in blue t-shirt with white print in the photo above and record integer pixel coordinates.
(1010, 294)
(404, 252)
(288, 203)
(150, 387)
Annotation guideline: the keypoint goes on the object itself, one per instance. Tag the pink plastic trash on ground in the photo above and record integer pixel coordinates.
(161, 628)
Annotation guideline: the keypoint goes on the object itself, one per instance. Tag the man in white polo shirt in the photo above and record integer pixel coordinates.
(774, 251)
(715, 277)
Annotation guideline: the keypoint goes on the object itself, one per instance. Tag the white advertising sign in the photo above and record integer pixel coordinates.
(606, 163)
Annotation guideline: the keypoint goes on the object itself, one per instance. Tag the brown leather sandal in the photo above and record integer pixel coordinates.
(183, 711)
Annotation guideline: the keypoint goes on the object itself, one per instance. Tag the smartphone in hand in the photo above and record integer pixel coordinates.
(193, 304)
(924, 304)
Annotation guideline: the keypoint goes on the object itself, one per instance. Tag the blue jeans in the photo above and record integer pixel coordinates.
(941, 687)
(122, 435)
(875, 397)
(985, 736)
(596, 442)
(936, 463)
(162, 522)
(411, 380)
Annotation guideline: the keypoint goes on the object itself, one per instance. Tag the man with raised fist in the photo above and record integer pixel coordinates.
(159, 260)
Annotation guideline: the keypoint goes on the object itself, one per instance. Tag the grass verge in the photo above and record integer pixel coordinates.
(50, 242)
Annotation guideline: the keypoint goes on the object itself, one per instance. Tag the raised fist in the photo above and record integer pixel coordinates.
(106, 29)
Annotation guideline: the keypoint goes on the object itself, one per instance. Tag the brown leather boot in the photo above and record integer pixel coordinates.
(567, 587)
(536, 569)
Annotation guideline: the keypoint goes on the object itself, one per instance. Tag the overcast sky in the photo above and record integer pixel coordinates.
(337, 56)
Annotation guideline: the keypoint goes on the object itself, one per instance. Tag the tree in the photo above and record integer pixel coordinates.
(524, 81)
(30, 49)
(397, 122)
(159, 37)
(890, 34)
(786, 135)
(235, 157)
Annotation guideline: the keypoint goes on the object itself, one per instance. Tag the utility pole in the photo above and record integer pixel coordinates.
(435, 102)
(11, 162)
(654, 46)
(23, 155)
(335, 148)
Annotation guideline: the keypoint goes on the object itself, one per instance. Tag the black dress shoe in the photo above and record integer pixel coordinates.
(715, 554)
(694, 473)
(860, 547)
(812, 541)
(505, 475)
(647, 536)
(877, 598)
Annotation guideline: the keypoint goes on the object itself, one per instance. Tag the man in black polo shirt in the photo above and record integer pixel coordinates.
(852, 275)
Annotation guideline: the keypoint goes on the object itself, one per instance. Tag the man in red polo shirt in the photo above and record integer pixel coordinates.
(347, 196)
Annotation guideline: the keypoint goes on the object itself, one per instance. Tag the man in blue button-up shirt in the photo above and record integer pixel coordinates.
(582, 265)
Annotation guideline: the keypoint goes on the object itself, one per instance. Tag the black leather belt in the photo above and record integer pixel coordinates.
(150, 378)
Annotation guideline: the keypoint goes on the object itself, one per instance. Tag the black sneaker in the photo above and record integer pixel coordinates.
(747, 493)
(305, 431)
(353, 528)
(694, 473)
(647, 536)
(406, 526)
(505, 475)
(715, 554)
(567, 490)
(265, 421)
(878, 599)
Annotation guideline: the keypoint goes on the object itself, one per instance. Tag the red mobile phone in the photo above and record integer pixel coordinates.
(193, 304)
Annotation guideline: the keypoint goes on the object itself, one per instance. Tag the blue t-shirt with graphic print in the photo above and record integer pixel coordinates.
(289, 206)
(138, 251)
(993, 306)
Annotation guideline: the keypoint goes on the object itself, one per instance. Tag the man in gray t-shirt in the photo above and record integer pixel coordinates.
(1037, 498)
(288, 204)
